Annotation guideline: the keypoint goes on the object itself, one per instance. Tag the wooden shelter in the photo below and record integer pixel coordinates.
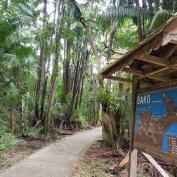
(153, 65)
(153, 61)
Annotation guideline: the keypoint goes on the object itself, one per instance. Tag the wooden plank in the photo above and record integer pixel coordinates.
(115, 78)
(156, 165)
(125, 161)
(153, 60)
(134, 163)
(172, 83)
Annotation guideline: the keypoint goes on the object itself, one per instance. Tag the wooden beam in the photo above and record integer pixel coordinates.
(115, 78)
(143, 75)
(157, 71)
(134, 71)
(159, 78)
(153, 60)
(170, 52)
(154, 72)
(156, 165)
(171, 83)
(173, 41)
(174, 61)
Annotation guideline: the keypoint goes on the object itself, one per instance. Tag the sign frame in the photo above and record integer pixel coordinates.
(134, 149)
(161, 155)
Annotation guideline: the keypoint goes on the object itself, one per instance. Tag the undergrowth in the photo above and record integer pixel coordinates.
(7, 140)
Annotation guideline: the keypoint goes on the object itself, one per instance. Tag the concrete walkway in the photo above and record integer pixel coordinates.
(55, 160)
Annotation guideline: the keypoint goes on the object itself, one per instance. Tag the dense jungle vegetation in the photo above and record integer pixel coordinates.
(51, 53)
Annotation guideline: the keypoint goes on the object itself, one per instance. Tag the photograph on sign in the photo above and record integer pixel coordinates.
(156, 122)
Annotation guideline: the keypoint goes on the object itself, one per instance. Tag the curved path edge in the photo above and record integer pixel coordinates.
(55, 160)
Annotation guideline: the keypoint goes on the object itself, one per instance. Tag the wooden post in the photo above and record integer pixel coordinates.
(133, 163)
(133, 153)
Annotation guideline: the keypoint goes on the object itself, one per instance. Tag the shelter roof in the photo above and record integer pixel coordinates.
(153, 61)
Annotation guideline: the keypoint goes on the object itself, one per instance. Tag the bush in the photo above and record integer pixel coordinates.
(3, 128)
(7, 142)
(31, 132)
(81, 118)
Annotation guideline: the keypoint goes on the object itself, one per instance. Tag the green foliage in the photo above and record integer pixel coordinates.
(121, 12)
(27, 36)
(7, 140)
(126, 36)
(3, 128)
(31, 132)
(107, 99)
(81, 118)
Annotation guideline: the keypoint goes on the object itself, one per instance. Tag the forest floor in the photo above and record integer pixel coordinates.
(102, 161)
(54, 160)
(99, 161)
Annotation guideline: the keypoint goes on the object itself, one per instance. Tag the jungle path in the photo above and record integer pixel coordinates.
(55, 160)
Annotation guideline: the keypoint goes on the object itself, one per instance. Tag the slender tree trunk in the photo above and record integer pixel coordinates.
(22, 111)
(82, 60)
(43, 98)
(82, 87)
(66, 71)
(51, 95)
(13, 120)
(111, 39)
(140, 23)
(44, 93)
(48, 118)
(150, 5)
(41, 69)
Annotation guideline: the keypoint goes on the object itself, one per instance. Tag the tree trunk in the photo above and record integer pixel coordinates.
(13, 119)
(140, 24)
(66, 71)
(111, 39)
(51, 95)
(41, 69)
(48, 120)
(44, 92)
(82, 59)
(22, 112)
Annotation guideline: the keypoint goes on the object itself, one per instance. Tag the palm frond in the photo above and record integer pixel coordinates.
(121, 12)
(160, 19)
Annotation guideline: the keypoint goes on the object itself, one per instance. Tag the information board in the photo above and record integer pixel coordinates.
(156, 122)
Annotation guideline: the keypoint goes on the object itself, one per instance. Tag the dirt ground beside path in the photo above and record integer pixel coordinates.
(55, 160)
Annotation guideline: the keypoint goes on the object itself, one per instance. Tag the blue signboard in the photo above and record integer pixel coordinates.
(156, 121)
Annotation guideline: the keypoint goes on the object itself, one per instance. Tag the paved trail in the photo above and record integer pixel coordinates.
(55, 160)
